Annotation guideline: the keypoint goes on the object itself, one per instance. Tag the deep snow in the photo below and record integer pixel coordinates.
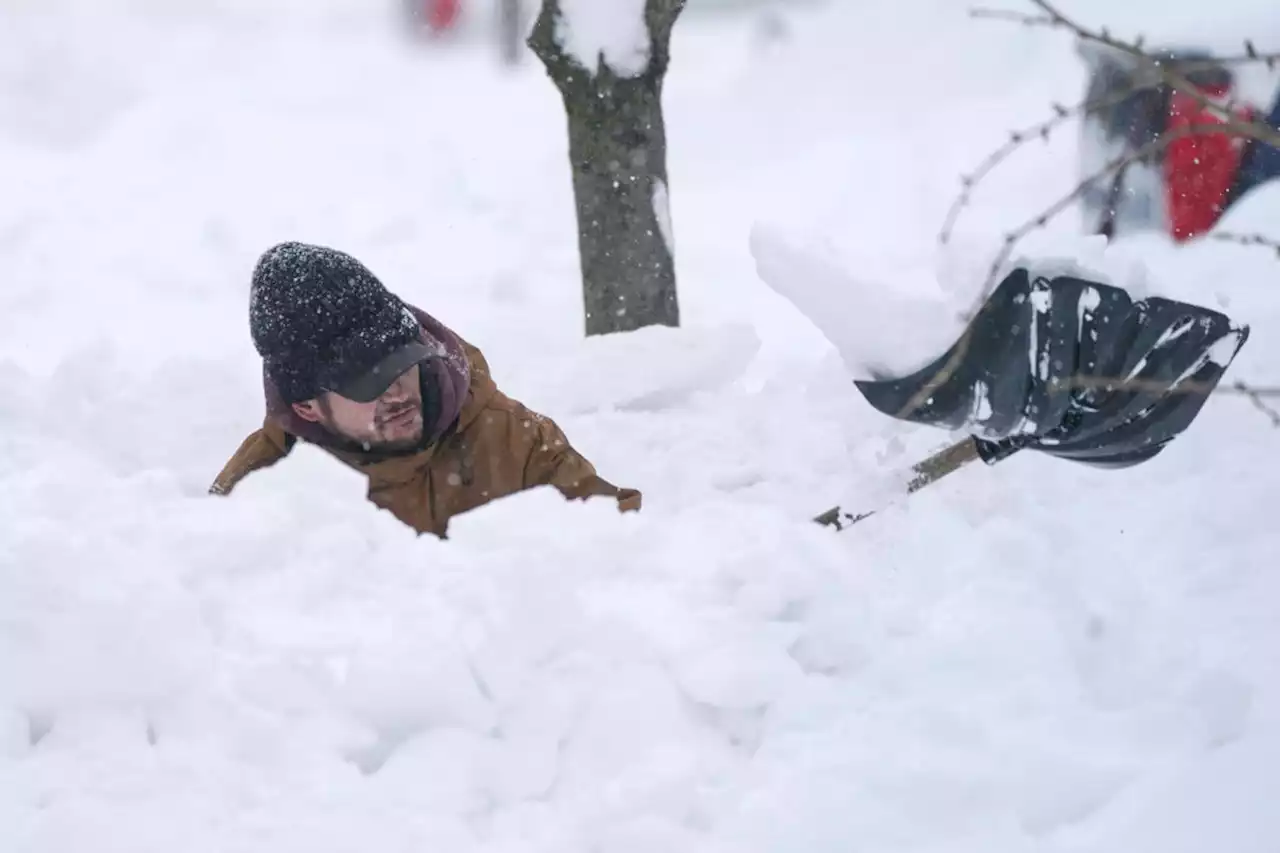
(1032, 657)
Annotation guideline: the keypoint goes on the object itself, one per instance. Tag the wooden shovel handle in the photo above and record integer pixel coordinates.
(924, 472)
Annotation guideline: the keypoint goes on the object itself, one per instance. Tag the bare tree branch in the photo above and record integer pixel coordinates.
(1256, 395)
(1155, 386)
(1010, 15)
(1042, 219)
(1016, 140)
(1247, 240)
(1250, 54)
(1172, 77)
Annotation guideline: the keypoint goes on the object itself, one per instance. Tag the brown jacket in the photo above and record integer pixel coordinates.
(498, 447)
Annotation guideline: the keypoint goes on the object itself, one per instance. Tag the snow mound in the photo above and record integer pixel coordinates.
(864, 321)
(648, 370)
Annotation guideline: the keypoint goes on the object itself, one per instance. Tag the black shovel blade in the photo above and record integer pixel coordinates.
(1072, 368)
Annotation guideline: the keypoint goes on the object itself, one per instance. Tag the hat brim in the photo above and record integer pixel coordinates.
(372, 384)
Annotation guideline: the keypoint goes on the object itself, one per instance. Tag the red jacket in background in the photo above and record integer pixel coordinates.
(1199, 169)
(442, 14)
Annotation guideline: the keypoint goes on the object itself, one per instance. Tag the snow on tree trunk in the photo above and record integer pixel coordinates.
(608, 59)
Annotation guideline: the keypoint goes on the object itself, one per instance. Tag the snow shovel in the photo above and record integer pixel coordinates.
(1064, 366)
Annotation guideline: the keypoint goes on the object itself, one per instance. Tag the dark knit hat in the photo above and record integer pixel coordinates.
(323, 322)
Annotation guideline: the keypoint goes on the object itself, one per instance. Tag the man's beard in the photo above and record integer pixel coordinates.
(375, 438)
(392, 419)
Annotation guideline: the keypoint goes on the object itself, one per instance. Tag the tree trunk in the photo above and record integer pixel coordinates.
(618, 154)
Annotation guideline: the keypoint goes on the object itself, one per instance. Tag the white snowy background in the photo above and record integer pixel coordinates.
(1036, 656)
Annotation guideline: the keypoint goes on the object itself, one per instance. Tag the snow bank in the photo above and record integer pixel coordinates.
(1032, 657)
(653, 370)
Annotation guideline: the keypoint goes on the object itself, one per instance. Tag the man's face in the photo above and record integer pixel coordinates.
(391, 422)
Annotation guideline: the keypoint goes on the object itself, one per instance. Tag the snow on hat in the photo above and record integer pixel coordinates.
(323, 322)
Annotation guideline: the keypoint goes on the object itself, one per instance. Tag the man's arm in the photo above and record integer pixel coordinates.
(261, 449)
(553, 461)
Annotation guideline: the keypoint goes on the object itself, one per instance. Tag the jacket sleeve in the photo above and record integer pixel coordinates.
(553, 461)
(261, 449)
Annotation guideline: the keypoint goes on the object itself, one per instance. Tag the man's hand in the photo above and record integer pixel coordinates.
(628, 500)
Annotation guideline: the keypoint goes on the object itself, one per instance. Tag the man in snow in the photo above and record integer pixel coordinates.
(391, 392)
